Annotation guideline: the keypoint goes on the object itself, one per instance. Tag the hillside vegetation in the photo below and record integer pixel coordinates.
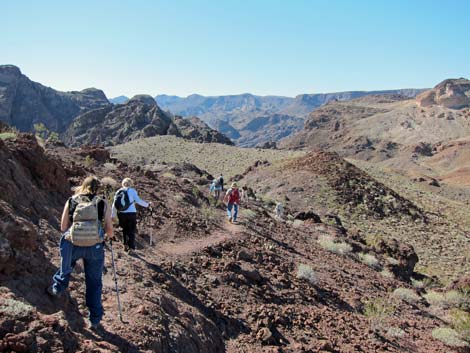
(213, 157)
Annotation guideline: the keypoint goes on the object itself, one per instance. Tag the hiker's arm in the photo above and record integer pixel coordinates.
(108, 223)
(65, 221)
(139, 201)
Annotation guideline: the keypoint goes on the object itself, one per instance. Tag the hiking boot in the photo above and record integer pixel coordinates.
(230, 219)
(234, 221)
(126, 248)
(97, 327)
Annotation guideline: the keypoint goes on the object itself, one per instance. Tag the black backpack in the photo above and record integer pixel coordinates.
(121, 200)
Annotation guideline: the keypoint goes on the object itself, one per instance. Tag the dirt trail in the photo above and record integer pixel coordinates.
(190, 246)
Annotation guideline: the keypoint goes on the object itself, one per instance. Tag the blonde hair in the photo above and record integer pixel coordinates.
(234, 185)
(126, 182)
(90, 185)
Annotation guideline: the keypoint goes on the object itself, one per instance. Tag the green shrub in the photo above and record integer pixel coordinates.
(449, 337)
(378, 307)
(387, 273)
(406, 294)
(89, 162)
(306, 272)
(450, 299)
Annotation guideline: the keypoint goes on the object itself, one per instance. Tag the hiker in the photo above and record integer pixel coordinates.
(221, 182)
(216, 187)
(86, 219)
(124, 206)
(243, 193)
(232, 198)
(279, 210)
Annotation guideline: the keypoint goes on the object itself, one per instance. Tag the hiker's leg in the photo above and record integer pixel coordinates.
(132, 229)
(229, 210)
(93, 261)
(62, 276)
(122, 225)
(235, 212)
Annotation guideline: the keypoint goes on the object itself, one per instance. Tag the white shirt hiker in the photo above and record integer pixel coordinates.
(133, 198)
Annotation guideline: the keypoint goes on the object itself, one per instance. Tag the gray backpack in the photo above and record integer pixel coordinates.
(86, 226)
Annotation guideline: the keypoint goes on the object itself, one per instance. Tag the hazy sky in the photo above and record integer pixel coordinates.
(229, 47)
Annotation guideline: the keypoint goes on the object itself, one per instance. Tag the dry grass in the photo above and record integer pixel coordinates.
(213, 157)
(329, 243)
(369, 260)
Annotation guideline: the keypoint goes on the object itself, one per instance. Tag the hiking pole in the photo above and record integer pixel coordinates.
(115, 281)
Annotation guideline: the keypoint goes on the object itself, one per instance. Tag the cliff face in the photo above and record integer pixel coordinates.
(451, 93)
(24, 102)
(139, 118)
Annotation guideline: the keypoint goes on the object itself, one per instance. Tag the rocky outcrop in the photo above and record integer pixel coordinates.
(451, 93)
(24, 102)
(140, 117)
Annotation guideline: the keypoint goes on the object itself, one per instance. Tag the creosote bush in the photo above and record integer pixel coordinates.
(406, 294)
(306, 272)
(461, 323)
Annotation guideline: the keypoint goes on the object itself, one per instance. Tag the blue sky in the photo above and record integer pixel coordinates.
(229, 47)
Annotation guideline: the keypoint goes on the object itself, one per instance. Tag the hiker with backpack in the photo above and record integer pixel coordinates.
(221, 182)
(124, 206)
(232, 199)
(86, 219)
(216, 187)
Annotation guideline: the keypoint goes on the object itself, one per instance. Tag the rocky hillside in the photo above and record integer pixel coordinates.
(398, 132)
(252, 120)
(140, 117)
(24, 102)
(199, 284)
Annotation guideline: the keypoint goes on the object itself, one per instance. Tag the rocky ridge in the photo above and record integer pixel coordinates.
(24, 103)
(138, 118)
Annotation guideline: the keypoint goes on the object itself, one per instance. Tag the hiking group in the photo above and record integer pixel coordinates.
(87, 221)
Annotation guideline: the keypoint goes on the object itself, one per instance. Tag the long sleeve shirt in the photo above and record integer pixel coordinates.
(134, 199)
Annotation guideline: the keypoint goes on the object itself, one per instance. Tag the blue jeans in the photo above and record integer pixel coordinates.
(93, 261)
(235, 211)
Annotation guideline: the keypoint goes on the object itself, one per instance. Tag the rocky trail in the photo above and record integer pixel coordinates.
(204, 285)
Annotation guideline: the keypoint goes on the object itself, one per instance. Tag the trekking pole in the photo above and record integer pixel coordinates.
(115, 281)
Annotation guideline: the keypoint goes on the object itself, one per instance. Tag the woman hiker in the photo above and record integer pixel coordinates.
(232, 198)
(128, 215)
(86, 219)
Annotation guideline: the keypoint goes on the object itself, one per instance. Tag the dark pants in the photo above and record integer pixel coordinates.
(128, 223)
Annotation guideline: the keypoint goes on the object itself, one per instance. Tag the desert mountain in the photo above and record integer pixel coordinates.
(245, 112)
(24, 102)
(398, 132)
(139, 117)
(202, 284)
(119, 100)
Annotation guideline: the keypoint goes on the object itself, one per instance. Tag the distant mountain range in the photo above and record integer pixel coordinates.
(252, 120)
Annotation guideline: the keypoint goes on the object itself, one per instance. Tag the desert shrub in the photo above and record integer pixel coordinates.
(306, 272)
(15, 308)
(387, 273)
(247, 213)
(297, 223)
(450, 299)
(425, 283)
(378, 307)
(373, 240)
(110, 166)
(89, 161)
(7, 135)
(406, 294)
(395, 332)
(461, 323)
(179, 197)
(449, 337)
(328, 243)
(369, 260)
(196, 192)
(169, 175)
(208, 213)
